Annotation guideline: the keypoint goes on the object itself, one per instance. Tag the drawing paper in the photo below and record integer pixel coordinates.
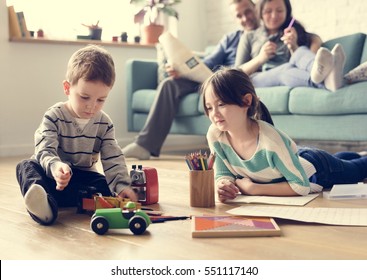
(332, 216)
(279, 200)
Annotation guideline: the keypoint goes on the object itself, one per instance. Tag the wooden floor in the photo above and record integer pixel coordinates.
(71, 238)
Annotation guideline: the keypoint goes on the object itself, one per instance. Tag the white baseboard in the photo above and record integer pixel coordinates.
(172, 143)
(16, 150)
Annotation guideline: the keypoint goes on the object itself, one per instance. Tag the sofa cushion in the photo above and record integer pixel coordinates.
(353, 46)
(357, 74)
(142, 101)
(351, 99)
(275, 99)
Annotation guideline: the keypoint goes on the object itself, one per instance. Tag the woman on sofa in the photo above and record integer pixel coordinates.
(255, 158)
(281, 52)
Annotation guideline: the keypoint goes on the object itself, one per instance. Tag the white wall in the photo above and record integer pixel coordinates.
(31, 74)
(327, 18)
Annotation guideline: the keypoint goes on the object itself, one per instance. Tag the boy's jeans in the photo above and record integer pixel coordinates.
(30, 172)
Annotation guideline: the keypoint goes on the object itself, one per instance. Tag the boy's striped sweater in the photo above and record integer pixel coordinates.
(59, 138)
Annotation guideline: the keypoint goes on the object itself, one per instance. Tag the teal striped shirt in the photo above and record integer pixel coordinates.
(275, 159)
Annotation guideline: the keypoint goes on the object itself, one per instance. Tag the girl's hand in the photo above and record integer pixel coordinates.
(226, 190)
(171, 71)
(128, 193)
(290, 38)
(246, 186)
(62, 175)
(267, 51)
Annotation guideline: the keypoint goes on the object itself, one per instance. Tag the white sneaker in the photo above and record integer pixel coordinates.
(37, 203)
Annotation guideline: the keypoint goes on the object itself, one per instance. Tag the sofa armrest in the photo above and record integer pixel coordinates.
(139, 74)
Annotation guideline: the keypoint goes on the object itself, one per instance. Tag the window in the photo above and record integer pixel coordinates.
(63, 19)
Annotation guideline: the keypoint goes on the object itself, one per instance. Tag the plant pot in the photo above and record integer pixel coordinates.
(96, 33)
(150, 33)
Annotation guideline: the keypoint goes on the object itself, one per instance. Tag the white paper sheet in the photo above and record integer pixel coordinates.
(332, 216)
(278, 200)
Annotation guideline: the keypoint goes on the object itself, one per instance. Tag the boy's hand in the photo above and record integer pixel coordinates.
(227, 190)
(128, 193)
(62, 175)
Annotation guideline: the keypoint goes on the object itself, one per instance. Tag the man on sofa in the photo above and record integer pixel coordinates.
(151, 138)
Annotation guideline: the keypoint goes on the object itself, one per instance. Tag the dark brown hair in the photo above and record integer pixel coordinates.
(230, 85)
(304, 38)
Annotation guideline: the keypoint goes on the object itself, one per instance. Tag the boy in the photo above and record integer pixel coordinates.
(71, 138)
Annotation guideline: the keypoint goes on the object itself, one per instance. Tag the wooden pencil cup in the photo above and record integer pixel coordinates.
(202, 188)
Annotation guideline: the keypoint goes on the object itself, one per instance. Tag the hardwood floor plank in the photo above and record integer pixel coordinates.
(71, 238)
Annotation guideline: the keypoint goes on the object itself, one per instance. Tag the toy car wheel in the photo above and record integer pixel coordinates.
(137, 225)
(99, 225)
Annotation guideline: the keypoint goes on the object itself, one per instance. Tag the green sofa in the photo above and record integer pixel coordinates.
(304, 113)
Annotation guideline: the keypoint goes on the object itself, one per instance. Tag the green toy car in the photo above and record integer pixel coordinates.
(116, 218)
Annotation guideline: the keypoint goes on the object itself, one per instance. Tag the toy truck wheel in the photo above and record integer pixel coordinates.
(99, 225)
(137, 225)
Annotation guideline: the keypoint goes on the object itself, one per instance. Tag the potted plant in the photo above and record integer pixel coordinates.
(149, 16)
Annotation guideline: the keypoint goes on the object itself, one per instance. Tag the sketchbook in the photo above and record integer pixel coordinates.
(331, 216)
(233, 226)
(183, 60)
(279, 200)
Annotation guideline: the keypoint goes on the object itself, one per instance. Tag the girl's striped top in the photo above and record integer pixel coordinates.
(275, 160)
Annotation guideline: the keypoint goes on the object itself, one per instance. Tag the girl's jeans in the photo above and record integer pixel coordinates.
(341, 168)
(30, 172)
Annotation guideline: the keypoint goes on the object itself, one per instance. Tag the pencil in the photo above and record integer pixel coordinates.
(211, 161)
(291, 23)
(168, 218)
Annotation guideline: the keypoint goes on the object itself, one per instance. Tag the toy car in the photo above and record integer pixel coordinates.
(116, 218)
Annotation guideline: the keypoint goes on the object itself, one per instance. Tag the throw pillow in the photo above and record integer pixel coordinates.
(161, 60)
(357, 74)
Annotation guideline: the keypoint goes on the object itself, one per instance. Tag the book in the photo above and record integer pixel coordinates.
(233, 226)
(14, 27)
(23, 25)
(348, 191)
(183, 60)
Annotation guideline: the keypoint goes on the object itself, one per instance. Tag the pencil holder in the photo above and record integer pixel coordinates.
(202, 188)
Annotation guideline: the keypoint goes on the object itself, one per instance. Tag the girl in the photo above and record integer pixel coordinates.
(255, 158)
(279, 54)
